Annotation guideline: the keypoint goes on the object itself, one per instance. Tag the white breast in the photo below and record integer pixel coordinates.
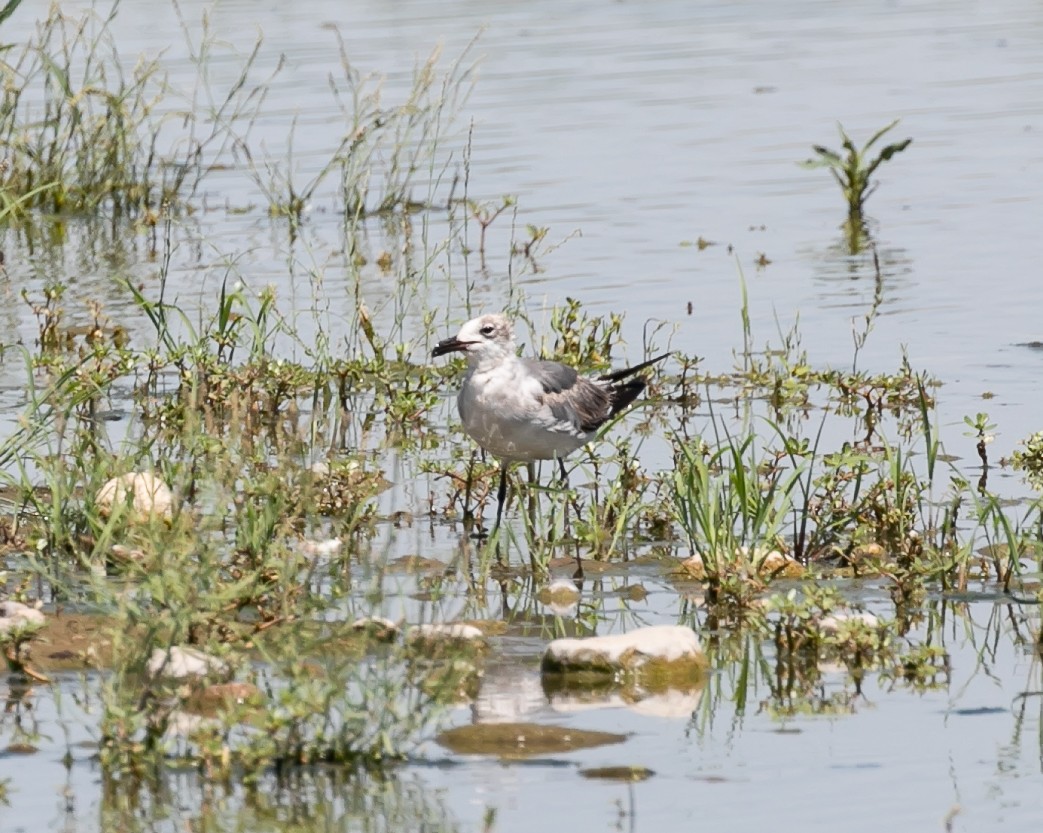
(501, 408)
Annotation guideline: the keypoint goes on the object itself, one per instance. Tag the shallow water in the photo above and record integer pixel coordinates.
(884, 753)
(644, 126)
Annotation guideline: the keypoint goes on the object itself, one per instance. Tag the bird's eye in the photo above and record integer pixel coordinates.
(487, 330)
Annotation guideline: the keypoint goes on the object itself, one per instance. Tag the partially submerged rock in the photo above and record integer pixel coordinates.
(322, 549)
(19, 624)
(779, 565)
(521, 740)
(147, 495)
(184, 663)
(771, 564)
(223, 697)
(376, 627)
(17, 616)
(618, 773)
(446, 637)
(659, 654)
(694, 567)
(560, 592)
(866, 552)
(836, 622)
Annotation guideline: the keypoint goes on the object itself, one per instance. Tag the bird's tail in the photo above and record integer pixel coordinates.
(616, 375)
(624, 393)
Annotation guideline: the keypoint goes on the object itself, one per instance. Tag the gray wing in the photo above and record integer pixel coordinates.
(555, 377)
(569, 396)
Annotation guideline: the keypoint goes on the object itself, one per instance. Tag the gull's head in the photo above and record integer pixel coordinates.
(488, 337)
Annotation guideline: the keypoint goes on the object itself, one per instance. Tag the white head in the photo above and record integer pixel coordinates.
(486, 338)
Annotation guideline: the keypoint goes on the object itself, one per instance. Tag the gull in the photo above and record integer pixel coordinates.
(522, 410)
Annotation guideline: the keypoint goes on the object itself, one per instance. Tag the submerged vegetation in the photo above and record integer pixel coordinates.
(211, 486)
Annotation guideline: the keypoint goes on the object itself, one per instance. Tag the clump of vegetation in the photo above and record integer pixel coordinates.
(261, 453)
(226, 571)
(852, 169)
(84, 134)
(1030, 459)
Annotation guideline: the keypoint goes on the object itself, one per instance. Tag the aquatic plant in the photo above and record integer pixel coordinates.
(733, 506)
(383, 150)
(1030, 459)
(852, 168)
(982, 431)
(226, 566)
(243, 438)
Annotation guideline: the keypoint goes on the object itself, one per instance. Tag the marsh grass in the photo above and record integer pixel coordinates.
(88, 129)
(872, 503)
(227, 567)
(386, 153)
(252, 447)
(728, 503)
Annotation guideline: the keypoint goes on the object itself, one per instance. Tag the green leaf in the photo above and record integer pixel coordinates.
(880, 133)
(886, 154)
(897, 147)
(829, 158)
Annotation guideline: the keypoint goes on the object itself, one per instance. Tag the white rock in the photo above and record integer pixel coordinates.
(180, 725)
(669, 643)
(181, 663)
(21, 613)
(326, 547)
(835, 621)
(434, 639)
(449, 632)
(377, 627)
(374, 621)
(149, 496)
(560, 590)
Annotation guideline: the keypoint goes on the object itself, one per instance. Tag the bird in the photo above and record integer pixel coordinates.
(523, 410)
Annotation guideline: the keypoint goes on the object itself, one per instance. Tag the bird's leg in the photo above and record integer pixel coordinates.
(565, 485)
(501, 496)
(565, 521)
(468, 483)
(534, 481)
(565, 488)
